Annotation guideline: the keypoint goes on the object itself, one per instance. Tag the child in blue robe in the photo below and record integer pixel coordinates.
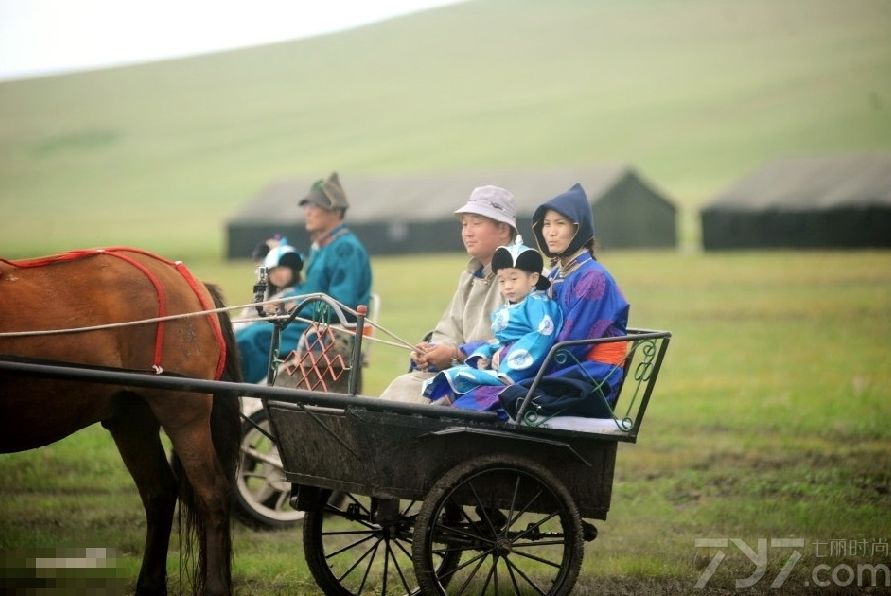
(524, 329)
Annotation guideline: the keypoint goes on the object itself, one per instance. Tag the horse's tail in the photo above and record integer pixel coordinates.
(226, 417)
(225, 425)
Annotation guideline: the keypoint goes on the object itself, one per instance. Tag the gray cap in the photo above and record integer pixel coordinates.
(493, 202)
(327, 194)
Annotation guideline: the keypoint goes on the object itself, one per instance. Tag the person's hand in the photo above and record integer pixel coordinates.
(496, 360)
(482, 363)
(419, 355)
(279, 308)
(441, 355)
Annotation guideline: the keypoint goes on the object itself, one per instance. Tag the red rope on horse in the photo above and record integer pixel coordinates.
(159, 289)
(162, 306)
(215, 322)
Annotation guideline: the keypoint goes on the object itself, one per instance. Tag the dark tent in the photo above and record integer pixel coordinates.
(413, 213)
(630, 213)
(815, 202)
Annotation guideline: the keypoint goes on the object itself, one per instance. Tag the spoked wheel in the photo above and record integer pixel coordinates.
(360, 545)
(261, 490)
(518, 531)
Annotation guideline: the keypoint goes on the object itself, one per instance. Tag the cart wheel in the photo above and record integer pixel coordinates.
(518, 531)
(360, 545)
(261, 490)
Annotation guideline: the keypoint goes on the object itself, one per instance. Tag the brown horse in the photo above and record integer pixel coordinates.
(95, 288)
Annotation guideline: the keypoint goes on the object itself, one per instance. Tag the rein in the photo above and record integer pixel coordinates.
(398, 343)
(120, 253)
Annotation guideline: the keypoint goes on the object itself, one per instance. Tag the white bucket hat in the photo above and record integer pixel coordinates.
(493, 202)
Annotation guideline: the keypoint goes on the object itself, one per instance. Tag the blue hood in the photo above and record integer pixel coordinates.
(573, 205)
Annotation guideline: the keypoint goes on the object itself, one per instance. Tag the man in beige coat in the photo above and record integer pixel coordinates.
(488, 220)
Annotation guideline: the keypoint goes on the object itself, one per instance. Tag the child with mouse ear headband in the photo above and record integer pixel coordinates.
(524, 328)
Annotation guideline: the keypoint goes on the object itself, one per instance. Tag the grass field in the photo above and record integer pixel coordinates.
(694, 93)
(770, 421)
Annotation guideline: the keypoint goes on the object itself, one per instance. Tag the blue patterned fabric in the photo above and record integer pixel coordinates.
(593, 306)
(524, 333)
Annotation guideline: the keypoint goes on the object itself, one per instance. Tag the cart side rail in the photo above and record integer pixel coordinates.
(320, 311)
(644, 356)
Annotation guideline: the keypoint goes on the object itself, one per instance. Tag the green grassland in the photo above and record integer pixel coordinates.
(695, 93)
(770, 420)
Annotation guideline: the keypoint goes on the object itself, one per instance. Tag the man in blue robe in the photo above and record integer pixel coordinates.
(337, 265)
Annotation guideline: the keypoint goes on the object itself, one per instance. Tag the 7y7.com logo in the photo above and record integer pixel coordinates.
(821, 576)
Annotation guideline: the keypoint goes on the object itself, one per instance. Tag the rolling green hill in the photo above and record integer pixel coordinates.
(693, 92)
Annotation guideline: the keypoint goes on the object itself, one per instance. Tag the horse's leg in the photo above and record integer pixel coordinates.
(136, 434)
(192, 441)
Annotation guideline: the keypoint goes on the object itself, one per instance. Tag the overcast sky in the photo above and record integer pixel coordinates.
(53, 36)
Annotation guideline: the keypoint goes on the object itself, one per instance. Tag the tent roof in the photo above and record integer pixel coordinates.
(432, 196)
(811, 183)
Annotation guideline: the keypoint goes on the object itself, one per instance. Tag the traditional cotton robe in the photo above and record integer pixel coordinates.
(594, 307)
(586, 382)
(465, 324)
(524, 333)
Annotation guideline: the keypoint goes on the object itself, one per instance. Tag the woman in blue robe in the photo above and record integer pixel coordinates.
(584, 380)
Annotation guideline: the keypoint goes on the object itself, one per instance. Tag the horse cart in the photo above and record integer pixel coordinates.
(404, 498)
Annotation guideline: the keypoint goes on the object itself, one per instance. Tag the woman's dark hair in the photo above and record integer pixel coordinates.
(294, 262)
(592, 246)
